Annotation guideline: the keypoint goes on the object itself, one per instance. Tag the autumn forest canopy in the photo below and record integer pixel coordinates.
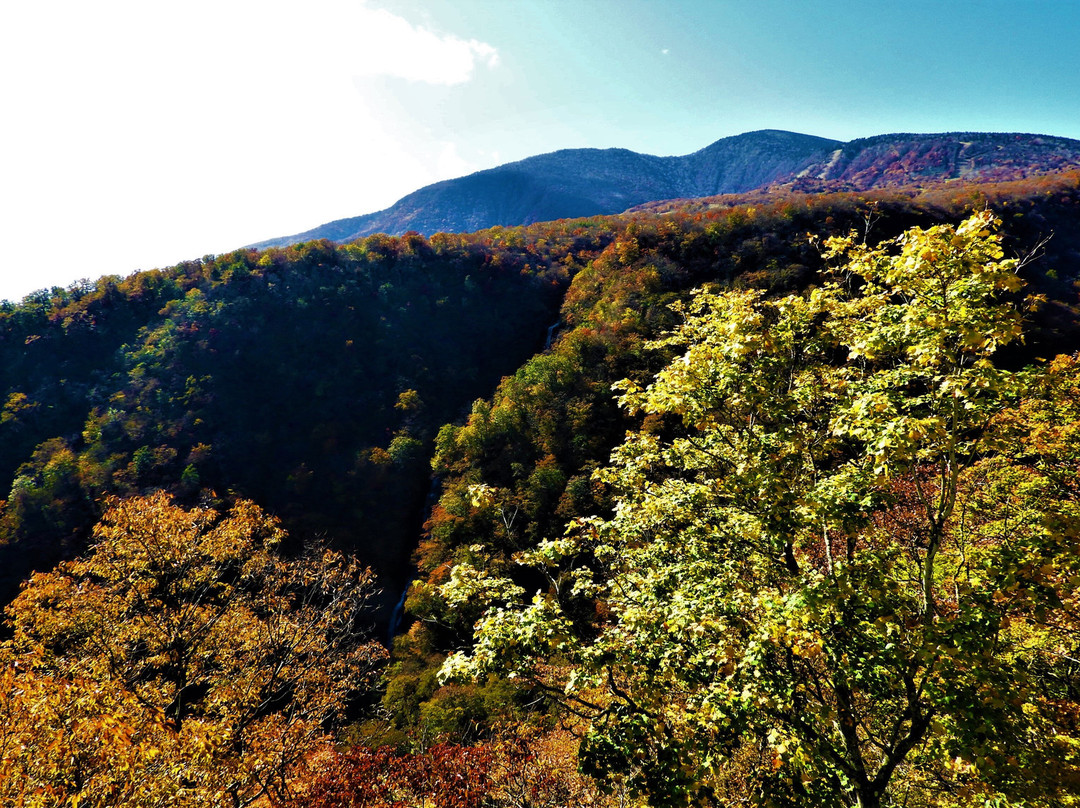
(764, 500)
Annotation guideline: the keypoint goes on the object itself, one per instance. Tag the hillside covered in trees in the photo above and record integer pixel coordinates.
(711, 499)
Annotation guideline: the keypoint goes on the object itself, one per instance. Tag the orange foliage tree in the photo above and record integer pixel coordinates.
(182, 662)
(521, 768)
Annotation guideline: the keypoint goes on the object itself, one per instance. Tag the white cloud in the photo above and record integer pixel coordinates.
(138, 134)
(387, 45)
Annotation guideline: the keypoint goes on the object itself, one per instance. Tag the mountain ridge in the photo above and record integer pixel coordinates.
(572, 183)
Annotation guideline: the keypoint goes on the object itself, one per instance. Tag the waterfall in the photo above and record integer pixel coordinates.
(551, 333)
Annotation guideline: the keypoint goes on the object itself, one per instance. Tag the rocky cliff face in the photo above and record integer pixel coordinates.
(889, 161)
(586, 182)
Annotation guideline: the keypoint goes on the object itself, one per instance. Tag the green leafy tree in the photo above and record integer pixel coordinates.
(834, 576)
(182, 662)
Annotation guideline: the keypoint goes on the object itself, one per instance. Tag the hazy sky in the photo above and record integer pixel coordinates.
(139, 134)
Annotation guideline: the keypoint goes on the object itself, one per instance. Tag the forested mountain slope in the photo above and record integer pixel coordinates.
(314, 379)
(533, 446)
(440, 407)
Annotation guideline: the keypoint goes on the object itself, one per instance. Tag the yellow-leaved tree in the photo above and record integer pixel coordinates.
(183, 661)
(841, 571)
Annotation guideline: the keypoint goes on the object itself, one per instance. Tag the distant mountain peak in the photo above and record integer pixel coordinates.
(571, 183)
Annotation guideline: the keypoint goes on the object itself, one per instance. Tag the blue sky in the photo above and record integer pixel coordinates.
(140, 134)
